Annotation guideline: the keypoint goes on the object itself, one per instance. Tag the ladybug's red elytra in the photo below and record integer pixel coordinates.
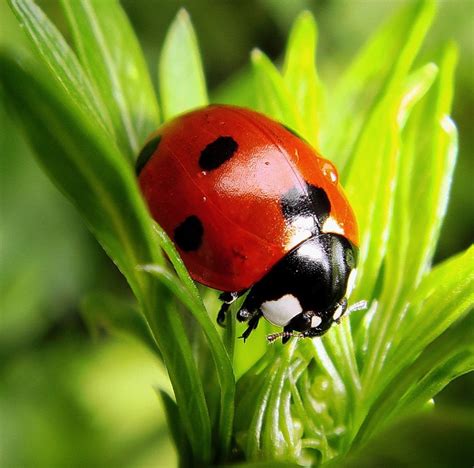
(253, 207)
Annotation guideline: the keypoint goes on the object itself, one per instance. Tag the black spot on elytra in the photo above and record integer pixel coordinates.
(217, 153)
(312, 202)
(146, 153)
(188, 235)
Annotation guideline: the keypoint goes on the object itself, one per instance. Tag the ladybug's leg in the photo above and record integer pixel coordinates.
(227, 298)
(250, 308)
(253, 322)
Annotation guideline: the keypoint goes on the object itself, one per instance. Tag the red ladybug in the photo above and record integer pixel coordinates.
(250, 205)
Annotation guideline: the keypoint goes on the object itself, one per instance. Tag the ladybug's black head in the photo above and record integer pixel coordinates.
(307, 290)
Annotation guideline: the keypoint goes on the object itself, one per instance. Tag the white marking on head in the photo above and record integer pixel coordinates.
(281, 311)
(337, 314)
(315, 321)
(331, 225)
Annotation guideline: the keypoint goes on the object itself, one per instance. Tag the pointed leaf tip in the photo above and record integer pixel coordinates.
(181, 75)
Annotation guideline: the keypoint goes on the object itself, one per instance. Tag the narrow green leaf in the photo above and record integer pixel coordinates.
(438, 376)
(300, 75)
(380, 66)
(98, 180)
(433, 135)
(329, 371)
(222, 361)
(254, 436)
(111, 56)
(102, 310)
(423, 186)
(79, 158)
(177, 352)
(375, 162)
(416, 86)
(60, 59)
(442, 298)
(340, 348)
(446, 358)
(178, 264)
(273, 97)
(181, 77)
(175, 427)
(276, 442)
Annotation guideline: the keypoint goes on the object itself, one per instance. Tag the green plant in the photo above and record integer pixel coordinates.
(384, 123)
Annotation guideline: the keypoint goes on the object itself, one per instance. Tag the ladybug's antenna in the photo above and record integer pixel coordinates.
(284, 334)
(361, 305)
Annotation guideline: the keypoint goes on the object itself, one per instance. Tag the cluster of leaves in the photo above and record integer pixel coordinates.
(384, 123)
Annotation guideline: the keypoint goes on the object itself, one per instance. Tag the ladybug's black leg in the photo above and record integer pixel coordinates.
(227, 298)
(253, 323)
(249, 308)
(222, 314)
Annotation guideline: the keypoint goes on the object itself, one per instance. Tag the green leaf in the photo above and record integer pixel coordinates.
(221, 359)
(379, 172)
(181, 77)
(382, 63)
(178, 264)
(423, 185)
(414, 89)
(273, 97)
(400, 234)
(438, 374)
(175, 428)
(376, 160)
(443, 296)
(193, 301)
(177, 353)
(104, 311)
(111, 56)
(339, 346)
(276, 437)
(98, 180)
(447, 356)
(416, 86)
(256, 427)
(436, 136)
(60, 59)
(300, 75)
(91, 172)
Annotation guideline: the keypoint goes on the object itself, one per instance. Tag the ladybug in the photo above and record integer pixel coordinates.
(252, 207)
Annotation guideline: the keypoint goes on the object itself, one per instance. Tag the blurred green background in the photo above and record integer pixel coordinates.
(68, 400)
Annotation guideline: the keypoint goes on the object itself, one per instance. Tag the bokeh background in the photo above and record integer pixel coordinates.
(69, 399)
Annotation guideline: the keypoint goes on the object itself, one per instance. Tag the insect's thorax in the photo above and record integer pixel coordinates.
(308, 285)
